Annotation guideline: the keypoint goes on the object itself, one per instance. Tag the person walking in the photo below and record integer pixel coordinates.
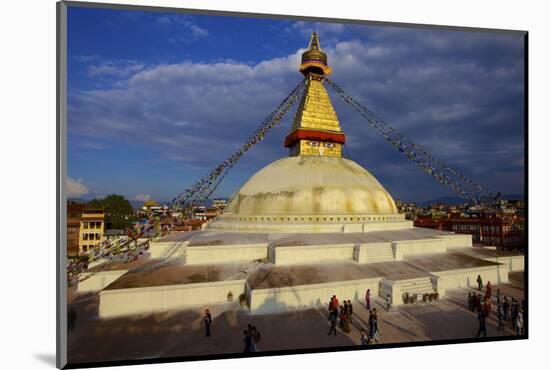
(505, 308)
(479, 282)
(367, 299)
(71, 318)
(332, 320)
(487, 307)
(479, 302)
(482, 323)
(364, 338)
(335, 302)
(255, 336)
(247, 342)
(514, 312)
(207, 321)
(518, 323)
(500, 316)
(373, 335)
(489, 290)
(388, 301)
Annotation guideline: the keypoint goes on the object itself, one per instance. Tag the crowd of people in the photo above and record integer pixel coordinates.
(251, 334)
(339, 312)
(505, 310)
(251, 339)
(342, 314)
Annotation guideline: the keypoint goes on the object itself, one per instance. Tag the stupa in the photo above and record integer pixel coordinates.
(300, 230)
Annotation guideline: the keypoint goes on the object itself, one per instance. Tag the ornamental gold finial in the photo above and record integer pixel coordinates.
(313, 59)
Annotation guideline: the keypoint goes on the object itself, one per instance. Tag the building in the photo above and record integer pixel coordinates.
(113, 234)
(219, 204)
(74, 212)
(303, 228)
(498, 230)
(92, 225)
(85, 227)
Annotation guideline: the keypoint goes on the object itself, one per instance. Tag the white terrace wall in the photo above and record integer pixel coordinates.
(467, 277)
(96, 281)
(225, 254)
(304, 254)
(305, 296)
(419, 246)
(167, 249)
(143, 301)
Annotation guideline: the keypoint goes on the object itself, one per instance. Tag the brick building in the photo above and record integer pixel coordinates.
(504, 232)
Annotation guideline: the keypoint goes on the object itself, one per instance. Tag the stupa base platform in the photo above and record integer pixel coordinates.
(214, 247)
(167, 285)
(265, 287)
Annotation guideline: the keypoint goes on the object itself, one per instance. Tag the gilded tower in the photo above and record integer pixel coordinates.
(315, 129)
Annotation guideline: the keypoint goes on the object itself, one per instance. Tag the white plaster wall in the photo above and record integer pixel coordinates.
(467, 277)
(420, 246)
(143, 301)
(225, 254)
(517, 263)
(390, 225)
(313, 254)
(457, 240)
(167, 249)
(95, 281)
(304, 296)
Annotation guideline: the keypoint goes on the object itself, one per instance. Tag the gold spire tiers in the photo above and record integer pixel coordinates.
(314, 189)
(315, 130)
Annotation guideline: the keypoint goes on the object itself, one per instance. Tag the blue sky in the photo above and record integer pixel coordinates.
(158, 99)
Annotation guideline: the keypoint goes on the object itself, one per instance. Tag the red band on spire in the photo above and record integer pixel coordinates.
(303, 134)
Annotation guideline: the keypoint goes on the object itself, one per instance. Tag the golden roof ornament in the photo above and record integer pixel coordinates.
(315, 129)
(314, 60)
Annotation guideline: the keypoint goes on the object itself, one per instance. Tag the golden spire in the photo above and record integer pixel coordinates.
(315, 129)
(313, 59)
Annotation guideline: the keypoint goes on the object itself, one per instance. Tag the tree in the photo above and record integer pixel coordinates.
(119, 213)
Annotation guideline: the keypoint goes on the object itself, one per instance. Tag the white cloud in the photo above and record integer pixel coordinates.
(182, 27)
(75, 188)
(142, 197)
(197, 113)
(118, 69)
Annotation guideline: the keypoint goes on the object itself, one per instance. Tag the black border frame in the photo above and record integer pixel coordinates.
(61, 72)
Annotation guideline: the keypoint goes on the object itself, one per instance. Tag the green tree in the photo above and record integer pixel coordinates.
(119, 213)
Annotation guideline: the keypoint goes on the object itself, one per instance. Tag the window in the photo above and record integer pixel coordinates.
(86, 225)
(85, 237)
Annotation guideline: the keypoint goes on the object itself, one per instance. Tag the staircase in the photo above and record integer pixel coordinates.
(417, 286)
(379, 253)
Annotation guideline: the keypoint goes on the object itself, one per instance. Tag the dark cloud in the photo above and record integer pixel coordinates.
(458, 94)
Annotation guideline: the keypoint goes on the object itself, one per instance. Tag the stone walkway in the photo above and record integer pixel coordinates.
(181, 333)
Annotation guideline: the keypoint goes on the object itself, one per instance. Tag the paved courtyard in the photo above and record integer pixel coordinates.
(180, 333)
